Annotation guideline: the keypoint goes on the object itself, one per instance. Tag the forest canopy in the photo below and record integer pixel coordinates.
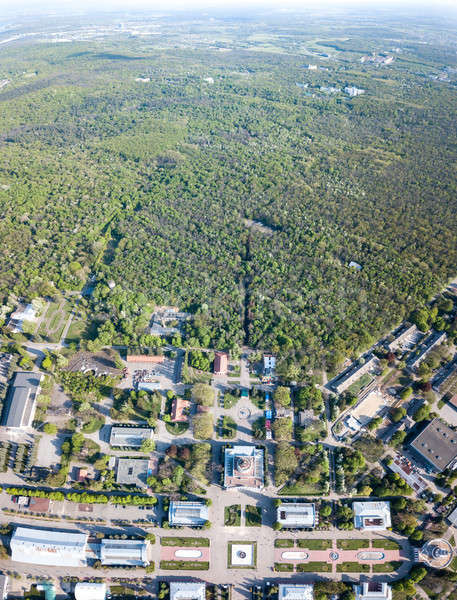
(230, 184)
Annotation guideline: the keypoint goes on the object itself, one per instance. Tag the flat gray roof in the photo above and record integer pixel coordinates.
(437, 444)
(21, 398)
(187, 513)
(129, 436)
(133, 471)
(123, 552)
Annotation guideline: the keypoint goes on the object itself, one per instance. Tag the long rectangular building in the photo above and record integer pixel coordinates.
(296, 515)
(129, 436)
(342, 383)
(437, 337)
(124, 552)
(20, 404)
(48, 547)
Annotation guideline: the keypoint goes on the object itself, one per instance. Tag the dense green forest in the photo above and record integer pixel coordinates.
(205, 167)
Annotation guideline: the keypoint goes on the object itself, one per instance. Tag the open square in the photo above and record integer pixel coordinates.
(242, 555)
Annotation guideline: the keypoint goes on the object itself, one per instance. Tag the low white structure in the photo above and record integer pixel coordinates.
(124, 552)
(130, 436)
(372, 516)
(269, 364)
(295, 592)
(190, 514)
(296, 515)
(48, 547)
(183, 590)
(373, 590)
(21, 314)
(90, 591)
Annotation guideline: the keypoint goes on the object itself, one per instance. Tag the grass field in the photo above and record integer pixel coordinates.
(314, 567)
(317, 544)
(185, 541)
(285, 543)
(253, 515)
(352, 544)
(388, 567)
(352, 567)
(284, 567)
(232, 515)
(385, 544)
(184, 565)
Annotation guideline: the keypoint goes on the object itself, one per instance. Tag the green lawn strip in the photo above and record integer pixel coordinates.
(177, 428)
(385, 544)
(196, 542)
(387, 567)
(300, 490)
(184, 565)
(253, 515)
(284, 567)
(75, 331)
(232, 515)
(352, 567)
(284, 543)
(453, 565)
(360, 383)
(317, 544)
(352, 544)
(314, 567)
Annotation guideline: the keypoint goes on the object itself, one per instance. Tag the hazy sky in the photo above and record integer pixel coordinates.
(43, 5)
(12, 8)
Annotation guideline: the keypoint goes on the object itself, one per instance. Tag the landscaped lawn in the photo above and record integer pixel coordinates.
(352, 544)
(184, 565)
(453, 564)
(360, 383)
(300, 490)
(253, 515)
(352, 567)
(177, 428)
(285, 543)
(315, 544)
(232, 515)
(284, 567)
(385, 544)
(388, 567)
(313, 567)
(184, 541)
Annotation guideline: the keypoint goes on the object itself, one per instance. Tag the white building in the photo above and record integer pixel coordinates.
(353, 91)
(47, 547)
(21, 314)
(372, 516)
(190, 514)
(373, 590)
(130, 436)
(269, 364)
(243, 467)
(183, 590)
(296, 515)
(90, 591)
(295, 592)
(124, 552)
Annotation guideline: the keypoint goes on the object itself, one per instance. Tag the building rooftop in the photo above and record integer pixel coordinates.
(373, 590)
(20, 402)
(372, 515)
(183, 590)
(192, 514)
(437, 444)
(124, 552)
(129, 436)
(220, 363)
(243, 467)
(179, 410)
(296, 514)
(295, 592)
(90, 591)
(48, 547)
(133, 471)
